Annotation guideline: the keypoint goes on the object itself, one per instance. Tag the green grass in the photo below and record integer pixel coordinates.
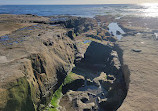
(74, 35)
(58, 93)
(55, 99)
(68, 79)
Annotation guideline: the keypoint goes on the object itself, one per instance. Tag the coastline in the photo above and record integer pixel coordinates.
(40, 71)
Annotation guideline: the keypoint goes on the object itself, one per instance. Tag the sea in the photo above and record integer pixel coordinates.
(146, 10)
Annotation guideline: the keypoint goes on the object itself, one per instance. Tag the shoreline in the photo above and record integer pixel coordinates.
(118, 9)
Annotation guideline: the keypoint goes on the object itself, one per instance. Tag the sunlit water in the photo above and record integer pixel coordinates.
(150, 10)
(146, 10)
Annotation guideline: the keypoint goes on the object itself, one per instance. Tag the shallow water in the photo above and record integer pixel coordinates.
(8, 40)
(59, 19)
(4, 38)
(113, 28)
(25, 28)
(92, 89)
(29, 28)
(87, 41)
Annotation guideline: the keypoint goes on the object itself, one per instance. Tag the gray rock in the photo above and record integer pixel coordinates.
(118, 32)
(136, 50)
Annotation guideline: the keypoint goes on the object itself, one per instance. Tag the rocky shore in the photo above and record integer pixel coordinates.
(71, 63)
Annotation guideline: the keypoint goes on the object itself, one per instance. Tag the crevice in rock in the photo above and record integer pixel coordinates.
(61, 75)
(105, 84)
(38, 68)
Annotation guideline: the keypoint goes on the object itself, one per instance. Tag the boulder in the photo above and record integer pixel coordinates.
(118, 32)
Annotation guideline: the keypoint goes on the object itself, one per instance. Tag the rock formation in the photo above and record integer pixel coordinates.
(72, 63)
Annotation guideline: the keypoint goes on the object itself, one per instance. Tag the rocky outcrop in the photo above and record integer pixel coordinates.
(104, 87)
(77, 82)
(19, 96)
(80, 25)
(36, 61)
(34, 67)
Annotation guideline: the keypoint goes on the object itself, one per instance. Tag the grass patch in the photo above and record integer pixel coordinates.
(74, 35)
(58, 93)
(68, 79)
(55, 100)
(72, 77)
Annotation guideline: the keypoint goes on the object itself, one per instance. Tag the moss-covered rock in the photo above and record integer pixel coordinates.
(72, 82)
(19, 96)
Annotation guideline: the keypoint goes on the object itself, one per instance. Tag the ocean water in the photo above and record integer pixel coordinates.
(147, 10)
